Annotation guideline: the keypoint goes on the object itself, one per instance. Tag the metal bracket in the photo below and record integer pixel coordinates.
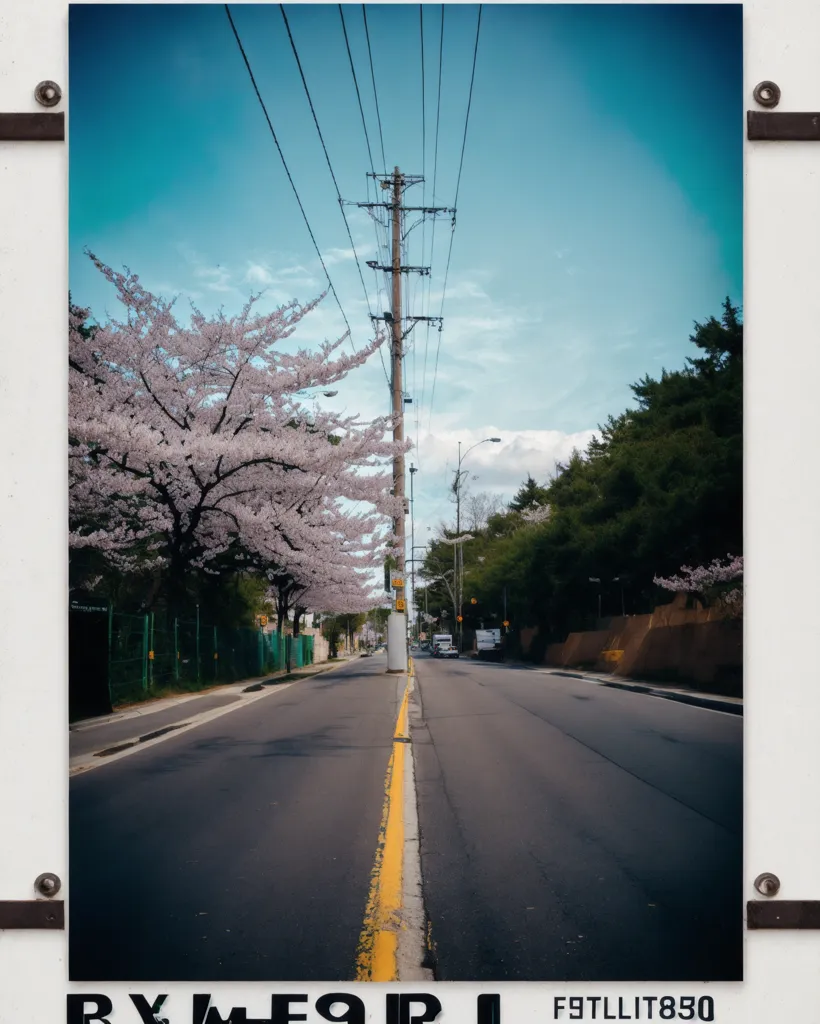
(19, 914)
(782, 914)
(32, 127)
(780, 126)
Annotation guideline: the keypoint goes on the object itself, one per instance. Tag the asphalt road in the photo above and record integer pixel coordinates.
(92, 738)
(574, 832)
(568, 832)
(240, 850)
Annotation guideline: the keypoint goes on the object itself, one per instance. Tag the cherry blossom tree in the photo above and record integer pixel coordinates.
(191, 447)
(713, 582)
(534, 514)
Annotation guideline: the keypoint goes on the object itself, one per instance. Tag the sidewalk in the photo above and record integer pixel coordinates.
(681, 694)
(141, 722)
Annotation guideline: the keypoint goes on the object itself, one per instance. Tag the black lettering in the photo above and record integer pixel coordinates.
(650, 1001)
(354, 1012)
(594, 1000)
(204, 1013)
(280, 1012)
(621, 1014)
(432, 1008)
(488, 1009)
(149, 1014)
(706, 1008)
(667, 1008)
(607, 1014)
(391, 1010)
(558, 1005)
(76, 1012)
(686, 1011)
(576, 1007)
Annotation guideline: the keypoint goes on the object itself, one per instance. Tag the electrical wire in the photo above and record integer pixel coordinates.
(435, 173)
(375, 92)
(423, 106)
(330, 165)
(358, 94)
(455, 205)
(290, 177)
(376, 221)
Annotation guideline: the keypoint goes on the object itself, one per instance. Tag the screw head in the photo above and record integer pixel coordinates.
(47, 884)
(48, 94)
(767, 94)
(767, 884)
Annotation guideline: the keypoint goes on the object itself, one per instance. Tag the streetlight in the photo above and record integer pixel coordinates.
(412, 559)
(615, 579)
(597, 579)
(619, 579)
(458, 553)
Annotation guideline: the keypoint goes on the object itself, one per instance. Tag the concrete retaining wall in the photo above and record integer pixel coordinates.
(694, 646)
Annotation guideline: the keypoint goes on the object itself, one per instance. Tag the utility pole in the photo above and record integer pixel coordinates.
(396, 183)
(396, 375)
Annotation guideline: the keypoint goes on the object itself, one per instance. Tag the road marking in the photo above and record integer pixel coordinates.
(391, 943)
(83, 763)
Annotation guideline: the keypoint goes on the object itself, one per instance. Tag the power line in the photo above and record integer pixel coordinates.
(375, 93)
(416, 396)
(469, 105)
(423, 107)
(435, 173)
(455, 204)
(287, 171)
(358, 94)
(330, 168)
(372, 168)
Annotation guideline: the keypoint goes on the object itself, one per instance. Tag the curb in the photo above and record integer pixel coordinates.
(149, 707)
(712, 703)
(106, 754)
(693, 699)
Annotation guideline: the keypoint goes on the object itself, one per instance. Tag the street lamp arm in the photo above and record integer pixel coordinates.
(495, 440)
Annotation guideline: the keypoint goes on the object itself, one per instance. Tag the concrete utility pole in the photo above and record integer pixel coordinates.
(397, 624)
(396, 350)
(397, 183)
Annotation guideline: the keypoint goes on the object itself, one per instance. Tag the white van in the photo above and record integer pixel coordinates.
(441, 639)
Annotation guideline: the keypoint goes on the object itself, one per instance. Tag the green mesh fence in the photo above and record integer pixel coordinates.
(150, 652)
(128, 657)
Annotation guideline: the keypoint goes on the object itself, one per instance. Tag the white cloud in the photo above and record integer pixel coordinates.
(332, 256)
(466, 289)
(258, 274)
(262, 274)
(499, 468)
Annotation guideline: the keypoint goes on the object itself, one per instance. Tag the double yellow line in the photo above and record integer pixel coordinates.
(377, 955)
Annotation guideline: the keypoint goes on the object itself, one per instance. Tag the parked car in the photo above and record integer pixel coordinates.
(446, 651)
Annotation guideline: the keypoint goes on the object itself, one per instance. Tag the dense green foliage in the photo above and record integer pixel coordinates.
(660, 486)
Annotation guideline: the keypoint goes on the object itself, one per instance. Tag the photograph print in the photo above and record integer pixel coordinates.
(405, 493)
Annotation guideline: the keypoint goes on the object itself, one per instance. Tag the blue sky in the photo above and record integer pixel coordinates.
(599, 214)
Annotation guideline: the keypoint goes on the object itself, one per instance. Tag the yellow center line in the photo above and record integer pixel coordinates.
(376, 958)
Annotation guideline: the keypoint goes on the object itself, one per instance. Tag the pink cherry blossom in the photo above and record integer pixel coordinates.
(191, 448)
